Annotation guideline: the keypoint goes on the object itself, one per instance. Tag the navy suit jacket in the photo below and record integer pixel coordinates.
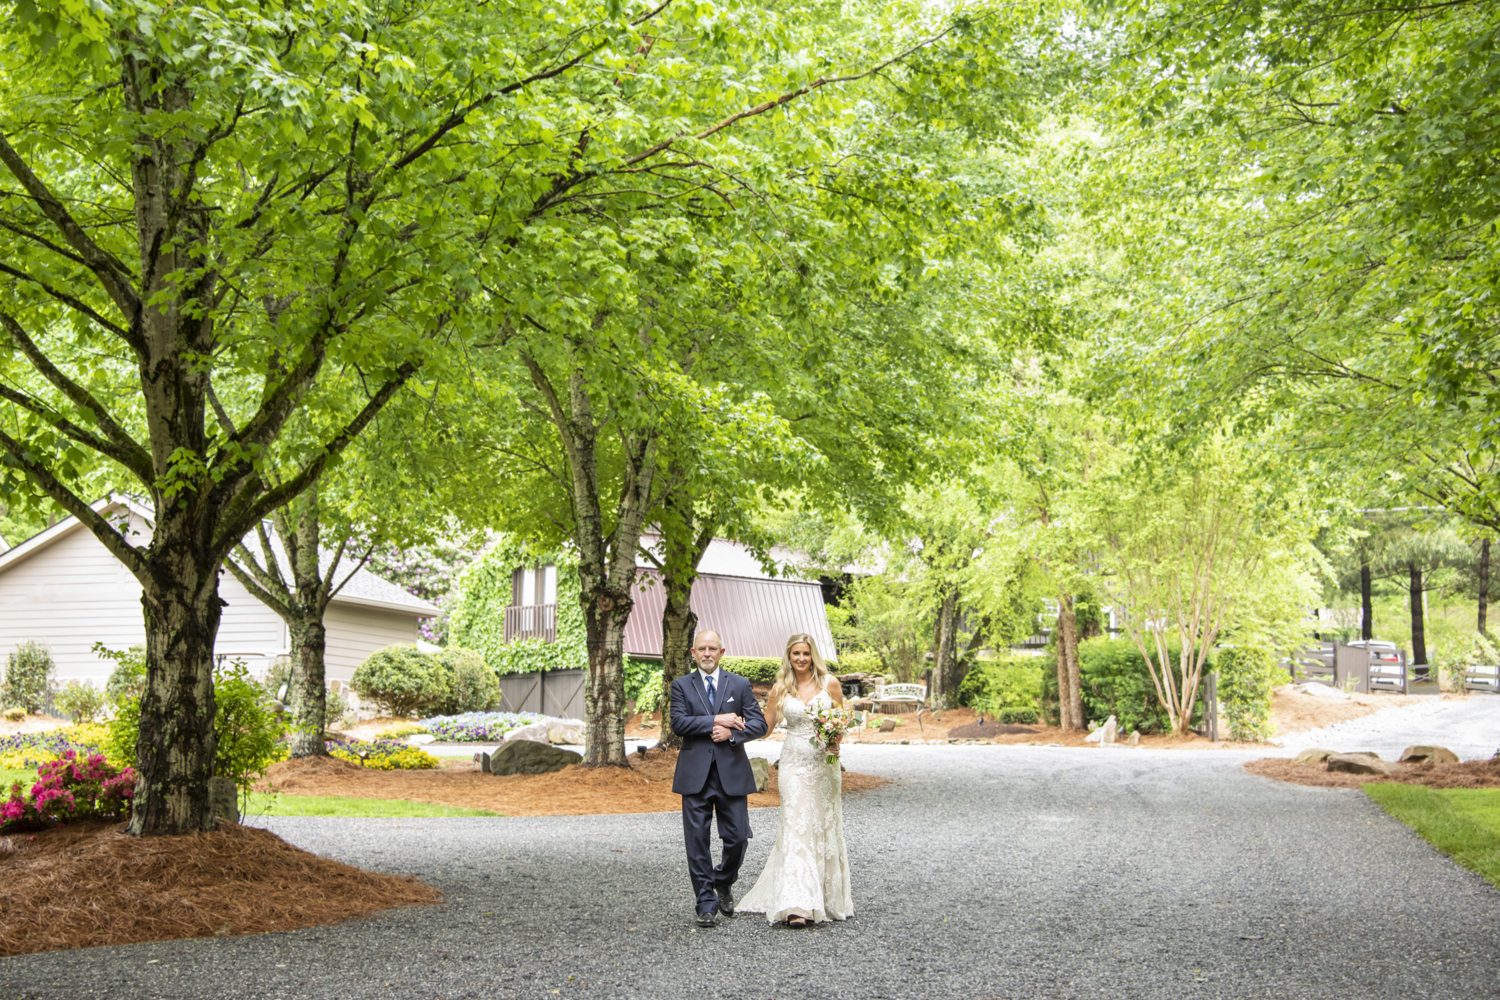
(693, 720)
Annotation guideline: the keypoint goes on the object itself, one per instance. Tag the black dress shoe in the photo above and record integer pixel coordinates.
(726, 901)
(707, 919)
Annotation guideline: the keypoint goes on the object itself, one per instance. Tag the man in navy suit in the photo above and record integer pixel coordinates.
(715, 714)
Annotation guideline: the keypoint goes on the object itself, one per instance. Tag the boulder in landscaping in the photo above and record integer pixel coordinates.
(530, 757)
(536, 732)
(1313, 755)
(1360, 763)
(887, 725)
(1422, 754)
(565, 736)
(1105, 734)
(762, 772)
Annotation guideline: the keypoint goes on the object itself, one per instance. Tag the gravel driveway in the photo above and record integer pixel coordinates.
(1469, 727)
(987, 872)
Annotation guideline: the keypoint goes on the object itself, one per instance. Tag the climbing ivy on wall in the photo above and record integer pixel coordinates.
(484, 592)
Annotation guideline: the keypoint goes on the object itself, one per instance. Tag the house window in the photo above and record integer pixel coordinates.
(532, 585)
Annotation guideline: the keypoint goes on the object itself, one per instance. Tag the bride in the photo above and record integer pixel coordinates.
(806, 879)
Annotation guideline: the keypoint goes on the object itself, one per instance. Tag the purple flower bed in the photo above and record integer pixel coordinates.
(478, 727)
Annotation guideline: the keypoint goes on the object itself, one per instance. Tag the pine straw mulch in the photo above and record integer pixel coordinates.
(1465, 774)
(89, 884)
(574, 791)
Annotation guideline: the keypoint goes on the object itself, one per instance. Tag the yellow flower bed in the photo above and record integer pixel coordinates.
(389, 759)
(400, 730)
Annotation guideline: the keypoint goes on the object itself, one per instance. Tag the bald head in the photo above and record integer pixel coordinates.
(707, 648)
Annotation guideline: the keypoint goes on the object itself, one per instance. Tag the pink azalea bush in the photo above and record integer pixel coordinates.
(69, 788)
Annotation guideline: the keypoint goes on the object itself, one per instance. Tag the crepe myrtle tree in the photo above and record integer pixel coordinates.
(173, 170)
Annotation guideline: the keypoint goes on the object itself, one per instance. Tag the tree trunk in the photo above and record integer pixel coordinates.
(175, 754)
(306, 694)
(1418, 632)
(1069, 679)
(605, 611)
(1484, 586)
(1366, 604)
(947, 668)
(679, 624)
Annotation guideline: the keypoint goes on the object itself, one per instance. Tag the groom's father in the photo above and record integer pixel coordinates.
(714, 713)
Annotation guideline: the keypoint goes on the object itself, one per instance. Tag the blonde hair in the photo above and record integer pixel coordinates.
(786, 677)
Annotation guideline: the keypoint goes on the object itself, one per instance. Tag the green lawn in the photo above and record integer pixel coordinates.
(1463, 822)
(311, 805)
(27, 778)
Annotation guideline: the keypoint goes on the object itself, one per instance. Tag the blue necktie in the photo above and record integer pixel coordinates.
(710, 682)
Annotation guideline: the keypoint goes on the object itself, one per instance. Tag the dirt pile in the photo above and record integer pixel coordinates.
(1465, 774)
(646, 786)
(90, 884)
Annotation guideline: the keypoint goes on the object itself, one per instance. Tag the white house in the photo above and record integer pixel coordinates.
(63, 588)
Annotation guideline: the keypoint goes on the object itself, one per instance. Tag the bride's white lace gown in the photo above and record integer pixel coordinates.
(808, 871)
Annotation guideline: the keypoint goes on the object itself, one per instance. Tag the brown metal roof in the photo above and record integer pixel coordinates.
(754, 617)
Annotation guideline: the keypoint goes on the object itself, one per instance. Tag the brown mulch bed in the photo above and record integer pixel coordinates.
(1465, 774)
(574, 791)
(987, 729)
(90, 884)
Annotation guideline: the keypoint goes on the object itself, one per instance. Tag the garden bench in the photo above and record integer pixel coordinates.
(900, 694)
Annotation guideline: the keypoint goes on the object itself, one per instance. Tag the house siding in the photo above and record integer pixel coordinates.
(73, 593)
(354, 632)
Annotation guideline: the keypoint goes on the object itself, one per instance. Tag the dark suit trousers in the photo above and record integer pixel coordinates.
(734, 830)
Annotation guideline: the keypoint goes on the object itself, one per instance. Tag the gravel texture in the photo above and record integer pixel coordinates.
(1469, 727)
(984, 872)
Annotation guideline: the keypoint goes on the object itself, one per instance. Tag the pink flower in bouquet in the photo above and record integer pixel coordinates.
(830, 724)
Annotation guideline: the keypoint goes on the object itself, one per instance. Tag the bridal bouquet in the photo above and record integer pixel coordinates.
(830, 723)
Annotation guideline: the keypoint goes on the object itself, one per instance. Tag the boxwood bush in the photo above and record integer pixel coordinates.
(1247, 676)
(755, 669)
(404, 681)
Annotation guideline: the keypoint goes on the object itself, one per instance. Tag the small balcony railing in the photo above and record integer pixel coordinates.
(531, 621)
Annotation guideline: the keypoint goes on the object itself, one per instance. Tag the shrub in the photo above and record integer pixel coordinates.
(384, 756)
(69, 788)
(1007, 684)
(471, 683)
(128, 679)
(402, 680)
(79, 701)
(860, 661)
(1247, 676)
(755, 669)
(15, 714)
(1117, 682)
(246, 728)
(1018, 716)
(28, 674)
(478, 727)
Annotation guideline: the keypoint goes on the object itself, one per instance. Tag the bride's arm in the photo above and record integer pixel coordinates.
(773, 705)
(835, 690)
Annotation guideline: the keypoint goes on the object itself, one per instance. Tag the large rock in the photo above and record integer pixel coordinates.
(762, 772)
(565, 736)
(1105, 734)
(1313, 755)
(887, 725)
(536, 732)
(531, 757)
(1360, 763)
(1428, 755)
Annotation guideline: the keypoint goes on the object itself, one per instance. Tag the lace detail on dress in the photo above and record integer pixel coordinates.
(808, 870)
